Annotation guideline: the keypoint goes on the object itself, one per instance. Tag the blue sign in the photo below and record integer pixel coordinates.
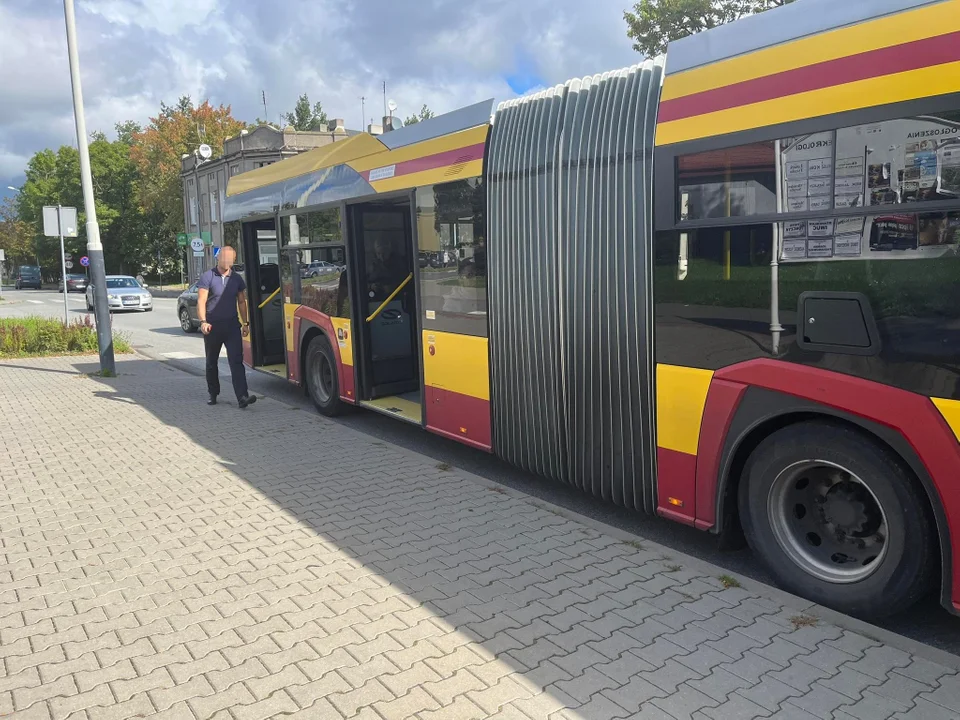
(85, 261)
(216, 251)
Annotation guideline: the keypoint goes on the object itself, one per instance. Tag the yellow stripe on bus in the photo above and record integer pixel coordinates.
(344, 339)
(883, 32)
(471, 169)
(899, 87)
(459, 363)
(681, 397)
(950, 410)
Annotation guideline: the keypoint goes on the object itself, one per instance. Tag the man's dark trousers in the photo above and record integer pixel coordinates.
(225, 333)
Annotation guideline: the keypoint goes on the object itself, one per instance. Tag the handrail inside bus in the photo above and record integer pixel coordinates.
(390, 297)
(272, 296)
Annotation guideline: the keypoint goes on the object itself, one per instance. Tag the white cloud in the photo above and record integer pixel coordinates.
(136, 54)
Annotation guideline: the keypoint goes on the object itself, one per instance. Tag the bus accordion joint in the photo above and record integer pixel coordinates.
(272, 296)
(390, 297)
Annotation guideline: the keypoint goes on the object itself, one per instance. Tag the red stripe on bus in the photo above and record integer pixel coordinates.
(458, 416)
(432, 162)
(676, 485)
(913, 55)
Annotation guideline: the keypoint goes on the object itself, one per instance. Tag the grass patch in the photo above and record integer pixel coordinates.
(729, 581)
(40, 336)
(635, 544)
(445, 467)
(674, 568)
(800, 621)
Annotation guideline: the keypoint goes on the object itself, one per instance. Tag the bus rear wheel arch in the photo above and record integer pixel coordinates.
(321, 378)
(837, 517)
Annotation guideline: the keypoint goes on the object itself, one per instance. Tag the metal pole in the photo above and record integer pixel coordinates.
(101, 310)
(63, 265)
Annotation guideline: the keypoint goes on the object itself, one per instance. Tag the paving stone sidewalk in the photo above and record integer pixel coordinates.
(161, 558)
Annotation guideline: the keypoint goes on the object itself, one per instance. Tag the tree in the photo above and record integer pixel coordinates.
(307, 117)
(424, 114)
(15, 236)
(654, 23)
(157, 151)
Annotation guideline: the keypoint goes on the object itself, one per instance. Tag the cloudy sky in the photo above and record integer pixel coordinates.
(136, 53)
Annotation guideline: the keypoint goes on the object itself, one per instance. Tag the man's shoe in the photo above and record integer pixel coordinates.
(212, 400)
(246, 400)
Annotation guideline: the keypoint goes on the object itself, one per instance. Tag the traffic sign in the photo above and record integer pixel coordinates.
(85, 261)
(216, 251)
(196, 244)
(59, 221)
(207, 237)
(183, 239)
(68, 264)
(67, 256)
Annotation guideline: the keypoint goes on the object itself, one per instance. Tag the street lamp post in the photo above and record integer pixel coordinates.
(101, 310)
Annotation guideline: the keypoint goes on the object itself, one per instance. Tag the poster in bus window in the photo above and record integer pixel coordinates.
(820, 247)
(796, 188)
(807, 171)
(797, 204)
(819, 204)
(795, 229)
(820, 168)
(796, 170)
(893, 232)
(949, 179)
(851, 166)
(794, 249)
(820, 228)
(818, 186)
(847, 245)
(845, 226)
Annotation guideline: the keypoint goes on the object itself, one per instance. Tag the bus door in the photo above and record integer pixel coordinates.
(388, 321)
(264, 301)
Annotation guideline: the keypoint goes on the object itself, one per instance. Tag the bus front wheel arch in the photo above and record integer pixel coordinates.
(321, 377)
(837, 517)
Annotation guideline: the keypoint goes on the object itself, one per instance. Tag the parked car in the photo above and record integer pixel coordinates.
(124, 293)
(320, 267)
(75, 283)
(28, 276)
(187, 309)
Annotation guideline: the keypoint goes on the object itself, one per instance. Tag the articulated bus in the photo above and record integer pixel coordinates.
(721, 286)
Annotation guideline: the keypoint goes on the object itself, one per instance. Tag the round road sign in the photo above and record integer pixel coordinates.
(197, 244)
(85, 261)
(68, 264)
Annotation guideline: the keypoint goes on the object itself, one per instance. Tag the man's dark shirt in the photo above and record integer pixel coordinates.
(222, 298)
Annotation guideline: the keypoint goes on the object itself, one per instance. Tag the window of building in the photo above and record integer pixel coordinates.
(204, 203)
(451, 228)
(214, 210)
(192, 202)
(234, 169)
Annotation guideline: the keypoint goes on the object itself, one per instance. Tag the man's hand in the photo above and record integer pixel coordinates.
(205, 328)
(245, 329)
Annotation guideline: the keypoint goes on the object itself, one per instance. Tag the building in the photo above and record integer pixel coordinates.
(205, 181)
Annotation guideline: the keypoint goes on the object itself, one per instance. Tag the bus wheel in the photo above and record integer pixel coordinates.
(837, 519)
(321, 377)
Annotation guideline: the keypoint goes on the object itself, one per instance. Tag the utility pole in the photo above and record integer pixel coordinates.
(94, 246)
(384, 98)
(363, 112)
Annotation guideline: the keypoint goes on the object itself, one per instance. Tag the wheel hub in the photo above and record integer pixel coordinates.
(828, 521)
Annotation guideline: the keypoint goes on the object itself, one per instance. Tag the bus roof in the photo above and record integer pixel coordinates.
(444, 148)
(805, 60)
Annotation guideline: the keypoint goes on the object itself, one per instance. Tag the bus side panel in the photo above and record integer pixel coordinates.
(909, 416)
(290, 336)
(456, 373)
(339, 334)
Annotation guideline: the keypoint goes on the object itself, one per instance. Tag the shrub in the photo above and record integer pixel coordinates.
(35, 336)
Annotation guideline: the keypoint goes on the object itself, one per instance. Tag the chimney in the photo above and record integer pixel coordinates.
(337, 126)
(375, 129)
(387, 123)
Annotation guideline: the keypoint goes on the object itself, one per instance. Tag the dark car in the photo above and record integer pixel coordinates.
(75, 283)
(28, 276)
(187, 309)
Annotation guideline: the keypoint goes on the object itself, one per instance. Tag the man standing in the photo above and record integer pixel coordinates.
(221, 293)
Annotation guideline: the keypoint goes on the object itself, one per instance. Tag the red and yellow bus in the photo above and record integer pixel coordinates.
(722, 287)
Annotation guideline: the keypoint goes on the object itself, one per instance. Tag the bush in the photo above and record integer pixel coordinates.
(35, 336)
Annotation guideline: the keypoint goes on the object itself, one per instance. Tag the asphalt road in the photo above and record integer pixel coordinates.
(158, 335)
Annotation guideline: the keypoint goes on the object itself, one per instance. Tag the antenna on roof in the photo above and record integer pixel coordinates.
(266, 115)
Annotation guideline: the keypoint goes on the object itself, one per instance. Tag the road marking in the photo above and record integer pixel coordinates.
(35, 302)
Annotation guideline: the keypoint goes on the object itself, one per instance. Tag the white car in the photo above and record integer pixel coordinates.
(124, 293)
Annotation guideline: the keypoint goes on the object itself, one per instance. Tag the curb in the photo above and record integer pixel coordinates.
(794, 602)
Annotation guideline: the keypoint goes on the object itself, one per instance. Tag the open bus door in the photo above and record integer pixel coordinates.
(264, 302)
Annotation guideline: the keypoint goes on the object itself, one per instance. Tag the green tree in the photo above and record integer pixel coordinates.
(15, 236)
(654, 23)
(306, 116)
(424, 114)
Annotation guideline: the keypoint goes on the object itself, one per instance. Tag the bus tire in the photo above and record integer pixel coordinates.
(837, 518)
(323, 384)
